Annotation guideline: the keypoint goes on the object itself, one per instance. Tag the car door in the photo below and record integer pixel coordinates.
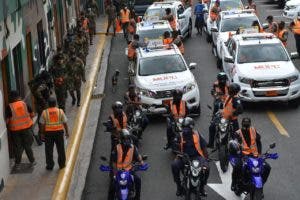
(215, 34)
(228, 53)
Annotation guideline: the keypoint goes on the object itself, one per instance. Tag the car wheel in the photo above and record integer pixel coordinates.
(294, 103)
(190, 29)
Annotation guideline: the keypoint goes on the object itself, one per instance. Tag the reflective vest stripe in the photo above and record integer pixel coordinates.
(20, 118)
(117, 124)
(181, 112)
(53, 119)
(125, 164)
(196, 139)
(253, 147)
(228, 109)
(296, 28)
(280, 36)
(124, 17)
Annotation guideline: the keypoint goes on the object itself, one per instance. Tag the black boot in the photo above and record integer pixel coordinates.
(73, 97)
(180, 190)
(202, 191)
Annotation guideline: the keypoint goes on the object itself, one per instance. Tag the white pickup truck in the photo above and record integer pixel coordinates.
(183, 15)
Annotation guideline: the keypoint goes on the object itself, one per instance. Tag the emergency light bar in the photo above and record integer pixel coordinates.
(235, 12)
(150, 23)
(163, 2)
(158, 47)
(259, 36)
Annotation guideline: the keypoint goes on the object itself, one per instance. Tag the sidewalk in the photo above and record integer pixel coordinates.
(37, 183)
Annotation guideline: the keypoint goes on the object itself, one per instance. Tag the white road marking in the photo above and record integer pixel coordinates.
(223, 188)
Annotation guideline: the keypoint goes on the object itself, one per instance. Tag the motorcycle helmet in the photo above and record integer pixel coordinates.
(234, 89)
(234, 147)
(188, 122)
(246, 123)
(177, 95)
(117, 107)
(125, 138)
(222, 78)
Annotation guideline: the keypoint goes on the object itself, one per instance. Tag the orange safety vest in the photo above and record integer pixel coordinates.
(280, 36)
(117, 123)
(253, 147)
(178, 113)
(85, 25)
(124, 16)
(131, 51)
(167, 41)
(125, 164)
(228, 109)
(296, 28)
(219, 91)
(196, 139)
(53, 119)
(20, 118)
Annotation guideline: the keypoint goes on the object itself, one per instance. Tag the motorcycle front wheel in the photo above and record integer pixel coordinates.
(222, 150)
(256, 194)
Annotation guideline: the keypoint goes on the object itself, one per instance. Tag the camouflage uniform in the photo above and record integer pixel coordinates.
(81, 46)
(69, 39)
(92, 25)
(76, 74)
(111, 12)
(94, 6)
(58, 72)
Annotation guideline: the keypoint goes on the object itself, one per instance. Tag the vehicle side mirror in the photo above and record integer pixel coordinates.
(103, 158)
(265, 26)
(214, 29)
(294, 55)
(272, 146)
(229, 59)
(192, 66)
(144, 157)
(181, 16)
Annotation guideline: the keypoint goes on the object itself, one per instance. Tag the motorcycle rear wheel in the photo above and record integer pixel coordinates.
(222, 151)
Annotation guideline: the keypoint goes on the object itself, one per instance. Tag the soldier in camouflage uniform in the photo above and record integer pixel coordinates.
(76, 75)
(92, 24)
(58, 72)
(69, 39)
(40, 88)
(81, 46)
(93, 4)
(59, 54)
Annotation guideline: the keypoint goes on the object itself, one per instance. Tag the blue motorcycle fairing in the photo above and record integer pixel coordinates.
(233, 160)
(257, 181)
(124, 194)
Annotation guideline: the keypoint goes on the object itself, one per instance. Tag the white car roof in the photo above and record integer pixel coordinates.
(167, 4)
(158, 51)
(160, 24)
(237, 13)
(256, 38)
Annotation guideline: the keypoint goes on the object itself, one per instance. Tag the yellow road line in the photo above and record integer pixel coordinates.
(277, 124)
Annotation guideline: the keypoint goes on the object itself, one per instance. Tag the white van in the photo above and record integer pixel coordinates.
(291, 9)
(4, 157)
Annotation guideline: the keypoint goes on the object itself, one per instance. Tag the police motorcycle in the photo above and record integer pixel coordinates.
(124, 180)
(193, 175)
(224, 130)
(250, 181)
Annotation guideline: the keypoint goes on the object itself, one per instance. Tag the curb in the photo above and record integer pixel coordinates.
(86, 147)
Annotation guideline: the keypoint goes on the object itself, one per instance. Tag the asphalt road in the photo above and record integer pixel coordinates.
(276, 122)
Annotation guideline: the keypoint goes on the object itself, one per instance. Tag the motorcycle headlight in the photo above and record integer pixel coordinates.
(195, 172)
(195, 163)
(223, 125)
(245, 80)
(293, 78)
(147, 93)
(255, 170)
(123, 182)
(189, 87)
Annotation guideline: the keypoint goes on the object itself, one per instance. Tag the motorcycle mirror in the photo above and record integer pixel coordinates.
(209, 107)
(103, 158)
(144, 157)
(272, 146)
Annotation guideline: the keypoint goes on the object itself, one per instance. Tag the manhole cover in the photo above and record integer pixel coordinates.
(25, 168)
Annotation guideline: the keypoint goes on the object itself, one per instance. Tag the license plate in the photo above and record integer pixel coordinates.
(271, 93)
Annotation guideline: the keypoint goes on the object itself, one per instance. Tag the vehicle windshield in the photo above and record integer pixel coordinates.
(161, 65)
(233, 24)
(152, 34)
(143, 2)
(262, 53)
(229, 5)
(159, 12)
